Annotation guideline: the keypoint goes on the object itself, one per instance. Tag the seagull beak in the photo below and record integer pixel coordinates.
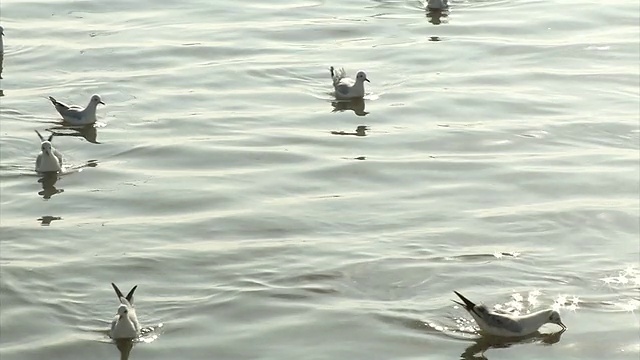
(564, 327)
(102, 102)
(367, 80)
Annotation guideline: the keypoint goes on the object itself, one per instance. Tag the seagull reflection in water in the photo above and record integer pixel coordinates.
(48, 181)
(124, 346)
(147, 335)
(437, 16)
(360, 131)
(47, 219)
(356, 105)
(88, 132)
(476, 350)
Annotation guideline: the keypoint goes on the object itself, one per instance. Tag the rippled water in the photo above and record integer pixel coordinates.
(497, 154)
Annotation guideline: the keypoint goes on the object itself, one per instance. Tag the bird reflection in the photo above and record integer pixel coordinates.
(437, 16)
(124, 346)
(482, 344)
(48, 181)
(360, 131)
(89, 132)
(357, 105)
(46, 220)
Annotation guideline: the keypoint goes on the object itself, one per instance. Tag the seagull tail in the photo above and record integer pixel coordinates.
(54, 101)
(468, 304)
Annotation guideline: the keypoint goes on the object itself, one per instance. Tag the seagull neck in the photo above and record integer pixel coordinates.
(91, 105)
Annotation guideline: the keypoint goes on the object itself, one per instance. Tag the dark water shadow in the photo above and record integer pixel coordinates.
(476, 350)
(88, 132)
(124, 346)
(47, 219)
(437, 16)
(355, 105)
(48, 181)
(147, 335)
(360, 131)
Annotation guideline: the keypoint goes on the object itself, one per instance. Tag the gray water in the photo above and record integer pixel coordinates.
(496, 154)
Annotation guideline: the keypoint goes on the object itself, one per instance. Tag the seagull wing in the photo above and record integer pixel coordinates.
(337, 75)
(60, 106)
(124, 300)
(134, 319)
(39, 135)
(38, 162)
(67, 111)
(504, 322)
(130, 294)
(58, 154)
(118, 292)
(113, 325)
(342, 89)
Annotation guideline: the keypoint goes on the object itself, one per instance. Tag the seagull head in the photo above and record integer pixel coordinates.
(1, 30)
(361, 76)
(46, 147)
(554, 318)
(95, 99)
(123, 310)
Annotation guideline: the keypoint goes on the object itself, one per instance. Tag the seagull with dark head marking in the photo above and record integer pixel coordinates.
(49, 159)
(345, 87)
(497, 324)
(77, 115)
(125, 325)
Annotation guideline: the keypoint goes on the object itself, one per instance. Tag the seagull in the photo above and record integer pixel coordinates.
(1, 49)
(1, 41)
(76, 115)
(437, 4)
(49, 159)
(497, 324)
(125, 325)
(347, 88)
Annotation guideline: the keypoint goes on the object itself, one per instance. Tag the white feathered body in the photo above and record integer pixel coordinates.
(125, 326)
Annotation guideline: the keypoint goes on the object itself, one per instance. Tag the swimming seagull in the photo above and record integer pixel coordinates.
(49, 159)
(437, 4)
(76, 115)
(125, 325)
(498, 324)
(347, 88)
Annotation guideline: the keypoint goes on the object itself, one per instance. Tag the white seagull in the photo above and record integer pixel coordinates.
(498, 324)
(76, 115)
(125, 325)
(437, 4)
(347, 88)
(49, 159)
